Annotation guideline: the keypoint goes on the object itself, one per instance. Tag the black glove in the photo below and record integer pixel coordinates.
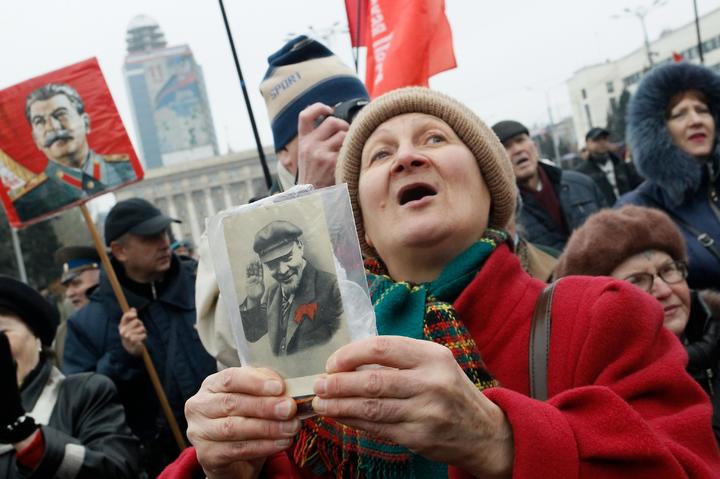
(14, 424)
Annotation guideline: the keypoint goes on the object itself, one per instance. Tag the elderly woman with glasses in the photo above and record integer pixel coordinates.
(643, 247)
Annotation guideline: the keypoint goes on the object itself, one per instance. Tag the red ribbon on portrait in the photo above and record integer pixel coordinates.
(305, 310)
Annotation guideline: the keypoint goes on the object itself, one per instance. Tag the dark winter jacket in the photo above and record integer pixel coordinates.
(626, 178)
(83, 428)
(702, 343)
(93, 344)
(579, 197)
(678, 183)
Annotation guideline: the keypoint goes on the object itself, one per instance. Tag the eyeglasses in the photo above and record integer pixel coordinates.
(671, 273)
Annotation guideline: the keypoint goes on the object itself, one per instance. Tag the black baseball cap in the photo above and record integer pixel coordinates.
(509, 128)
(135, 216)
(596, 133)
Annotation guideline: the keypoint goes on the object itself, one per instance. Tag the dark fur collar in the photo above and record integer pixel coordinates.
(654, 153)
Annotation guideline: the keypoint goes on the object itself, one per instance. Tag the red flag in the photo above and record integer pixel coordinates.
(357, 15)
(408, 41)
(677, 57)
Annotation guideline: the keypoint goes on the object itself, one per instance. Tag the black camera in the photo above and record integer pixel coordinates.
(345, 110)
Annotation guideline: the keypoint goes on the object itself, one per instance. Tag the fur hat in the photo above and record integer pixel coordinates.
(609, 237)
(494, 164)
(301, 73)
(654, 153)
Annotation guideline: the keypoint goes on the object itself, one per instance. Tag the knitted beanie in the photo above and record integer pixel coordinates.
(492, 159)
(301, 73)
(609, 237)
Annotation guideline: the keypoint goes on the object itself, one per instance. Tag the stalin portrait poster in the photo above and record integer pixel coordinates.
(62, 142)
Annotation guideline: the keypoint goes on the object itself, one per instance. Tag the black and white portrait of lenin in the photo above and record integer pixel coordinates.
(302, 307)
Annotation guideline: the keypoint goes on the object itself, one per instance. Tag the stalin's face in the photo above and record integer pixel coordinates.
(59, 130)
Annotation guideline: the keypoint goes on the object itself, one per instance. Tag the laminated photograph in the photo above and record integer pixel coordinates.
(290, 273)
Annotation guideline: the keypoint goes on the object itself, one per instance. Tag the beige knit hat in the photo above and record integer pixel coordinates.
(609, 237)
(495, 166)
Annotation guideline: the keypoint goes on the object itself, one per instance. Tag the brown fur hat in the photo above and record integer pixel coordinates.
(609, 237)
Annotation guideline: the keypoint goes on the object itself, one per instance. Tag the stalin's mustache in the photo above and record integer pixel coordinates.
(58, 135)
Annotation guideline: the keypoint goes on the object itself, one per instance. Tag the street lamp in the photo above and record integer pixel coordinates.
(640, 12)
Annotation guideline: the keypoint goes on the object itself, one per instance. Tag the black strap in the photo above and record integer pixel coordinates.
(540, 342)
(705, 240)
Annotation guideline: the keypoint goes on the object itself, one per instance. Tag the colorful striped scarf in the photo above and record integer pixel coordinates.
(327, 447)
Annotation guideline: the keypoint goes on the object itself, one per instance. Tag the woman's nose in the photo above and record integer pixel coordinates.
(408, 157)
(660, 289)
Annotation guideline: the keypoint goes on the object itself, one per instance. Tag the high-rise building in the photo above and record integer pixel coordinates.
(167, 94)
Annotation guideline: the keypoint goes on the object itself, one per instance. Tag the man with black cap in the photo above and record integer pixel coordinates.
(160, 288)
(555, 202)
(613, 175)
(303, 308)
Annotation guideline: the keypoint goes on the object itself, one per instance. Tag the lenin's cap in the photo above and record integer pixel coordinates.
(135, 216)
(276, 239)
(507, 129)
(41, 317)
(76, 259)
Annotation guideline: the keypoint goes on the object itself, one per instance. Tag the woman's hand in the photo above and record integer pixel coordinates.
(421, 399)
(239, 417)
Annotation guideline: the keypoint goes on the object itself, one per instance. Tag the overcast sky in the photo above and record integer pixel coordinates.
(511, 54)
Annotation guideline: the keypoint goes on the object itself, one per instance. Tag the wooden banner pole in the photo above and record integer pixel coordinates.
(107, 266)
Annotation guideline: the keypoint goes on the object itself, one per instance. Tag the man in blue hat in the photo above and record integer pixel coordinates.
(303, 308)
(311, 98)
(160, 289)
(81, 273)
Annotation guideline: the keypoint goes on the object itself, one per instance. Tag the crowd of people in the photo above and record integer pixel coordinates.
(544, 322)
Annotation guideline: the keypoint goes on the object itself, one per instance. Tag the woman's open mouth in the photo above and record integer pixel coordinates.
(698, 137)
(415, 192)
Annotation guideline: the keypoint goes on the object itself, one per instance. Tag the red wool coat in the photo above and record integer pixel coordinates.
(621, 403)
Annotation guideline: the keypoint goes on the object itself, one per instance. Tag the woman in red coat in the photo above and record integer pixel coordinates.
(432, 189)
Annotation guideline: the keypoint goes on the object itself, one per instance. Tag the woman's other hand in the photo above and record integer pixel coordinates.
(421, 399)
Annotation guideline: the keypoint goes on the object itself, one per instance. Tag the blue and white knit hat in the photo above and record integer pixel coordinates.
(301, 73)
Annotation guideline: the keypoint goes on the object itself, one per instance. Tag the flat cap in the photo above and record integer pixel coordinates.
(276, 239)
(507, 129)
(596, 132)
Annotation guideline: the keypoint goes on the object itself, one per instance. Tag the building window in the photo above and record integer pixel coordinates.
(198, 198)
(259, 187)
(218, 198)
(584, 94)
(613, 103)
(181, 207)
(610, 87)
(238, 193)
(589, 117)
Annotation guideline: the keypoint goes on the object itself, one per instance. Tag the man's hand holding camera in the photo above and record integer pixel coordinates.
(318, 147)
